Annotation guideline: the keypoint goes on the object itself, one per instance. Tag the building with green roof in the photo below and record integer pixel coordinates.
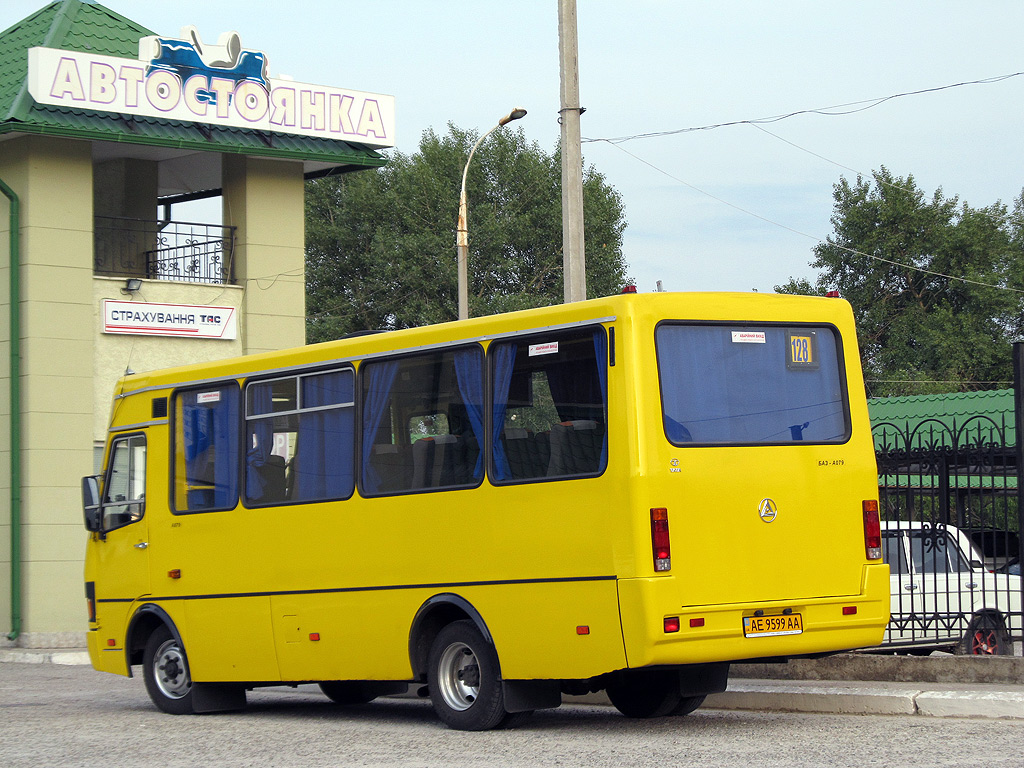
(105, 127)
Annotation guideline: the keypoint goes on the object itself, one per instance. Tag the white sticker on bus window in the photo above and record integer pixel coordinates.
(749, 337)
(551, 348)
(208, 397)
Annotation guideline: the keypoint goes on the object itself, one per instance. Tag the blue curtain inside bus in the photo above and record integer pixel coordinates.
(469, 374)
(260, 442)
(376, 401)
(322, 467)
(211, 448)
(503, 357)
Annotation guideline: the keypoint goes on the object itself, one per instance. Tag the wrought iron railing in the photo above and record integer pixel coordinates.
(163, 250)
(950, 530)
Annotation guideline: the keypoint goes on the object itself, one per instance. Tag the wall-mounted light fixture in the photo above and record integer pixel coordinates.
(132, 285)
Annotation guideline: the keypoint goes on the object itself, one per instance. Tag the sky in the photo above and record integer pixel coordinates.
(733, 208)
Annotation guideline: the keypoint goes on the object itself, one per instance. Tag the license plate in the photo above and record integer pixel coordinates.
(766, 626)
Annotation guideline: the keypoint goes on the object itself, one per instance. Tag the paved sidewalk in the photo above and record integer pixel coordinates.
(1002, 700)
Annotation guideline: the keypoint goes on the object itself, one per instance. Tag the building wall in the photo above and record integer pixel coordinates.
(113, 354)
(70, 367)
(264, 199)
(53, 179)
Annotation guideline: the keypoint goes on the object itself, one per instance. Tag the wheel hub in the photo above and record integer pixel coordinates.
(459, 676)
(172, 671)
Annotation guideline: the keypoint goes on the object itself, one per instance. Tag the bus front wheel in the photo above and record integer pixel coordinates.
(165, 670)
(464, 680)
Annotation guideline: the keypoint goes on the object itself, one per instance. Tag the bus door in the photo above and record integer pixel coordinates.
(123, 552)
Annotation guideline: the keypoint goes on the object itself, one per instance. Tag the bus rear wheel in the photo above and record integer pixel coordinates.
(165, 670)
(642, 694)
(464, 680)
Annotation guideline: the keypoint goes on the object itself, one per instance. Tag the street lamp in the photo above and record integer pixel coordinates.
(462, 233)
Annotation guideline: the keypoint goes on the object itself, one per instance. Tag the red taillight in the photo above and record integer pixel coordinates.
(872, 530)
(672, 624)
(659, 539)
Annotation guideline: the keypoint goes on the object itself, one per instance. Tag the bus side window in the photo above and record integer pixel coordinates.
(206, 449)
(549, 406)
(300, 438)
(125, 488)
(423, 421)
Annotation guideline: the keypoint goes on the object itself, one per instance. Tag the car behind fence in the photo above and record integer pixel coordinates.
(950, 500)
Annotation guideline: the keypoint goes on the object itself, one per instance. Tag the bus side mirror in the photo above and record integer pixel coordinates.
(91, 503)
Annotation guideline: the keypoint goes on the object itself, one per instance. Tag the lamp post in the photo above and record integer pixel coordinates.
(462, 233)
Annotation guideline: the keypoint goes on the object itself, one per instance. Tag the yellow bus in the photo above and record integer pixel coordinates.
(623, 494)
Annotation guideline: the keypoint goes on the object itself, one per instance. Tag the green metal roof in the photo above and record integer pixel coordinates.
(970, 416)
(80, 25)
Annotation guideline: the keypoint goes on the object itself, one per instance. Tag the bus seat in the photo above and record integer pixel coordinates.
(516, 441)
(392, 466)
(540, 454)
(272, 474)
(422, 457)
(575, 447)
(444, 461)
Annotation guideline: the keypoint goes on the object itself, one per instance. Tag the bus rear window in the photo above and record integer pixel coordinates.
(751, 385)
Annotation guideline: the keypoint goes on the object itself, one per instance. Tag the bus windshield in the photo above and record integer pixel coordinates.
(751, 385)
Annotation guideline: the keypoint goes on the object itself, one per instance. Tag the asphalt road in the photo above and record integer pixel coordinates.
(73, 716)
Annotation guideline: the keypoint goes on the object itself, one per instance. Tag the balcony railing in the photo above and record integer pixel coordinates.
(163, 250)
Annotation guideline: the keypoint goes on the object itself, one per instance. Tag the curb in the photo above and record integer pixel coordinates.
(857, 698)
(869, 699)
(63, 656)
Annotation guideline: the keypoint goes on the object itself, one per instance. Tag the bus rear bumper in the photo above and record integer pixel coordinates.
(657, 631)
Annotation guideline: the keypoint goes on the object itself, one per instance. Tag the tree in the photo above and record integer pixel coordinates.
(380, 245)
(935, 284)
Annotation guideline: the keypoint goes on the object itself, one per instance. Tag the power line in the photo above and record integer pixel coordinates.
(816, 239)
(833, 111)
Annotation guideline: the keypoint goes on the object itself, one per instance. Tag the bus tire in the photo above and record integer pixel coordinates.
(686, 705)
(464, 680)
(642, 694)
(165, 670)
(347, 692)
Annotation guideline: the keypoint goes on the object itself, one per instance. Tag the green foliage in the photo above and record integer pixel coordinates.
(380, 245)
(918, 272)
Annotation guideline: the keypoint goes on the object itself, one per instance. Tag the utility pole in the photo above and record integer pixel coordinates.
(573, 259)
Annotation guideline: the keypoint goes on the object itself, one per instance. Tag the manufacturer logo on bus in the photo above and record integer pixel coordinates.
(767, 510)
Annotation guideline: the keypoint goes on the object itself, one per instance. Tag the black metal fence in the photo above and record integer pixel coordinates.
(949, 502)
(163, 250)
